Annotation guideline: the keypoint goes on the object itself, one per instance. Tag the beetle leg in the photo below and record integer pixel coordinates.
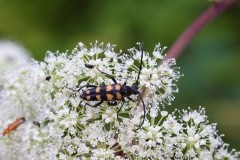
(95, 105)
(123, 101)
(108, 75)
(131, 99)
(89, 85)
(125, 83)
(79, 103)
(77, 90)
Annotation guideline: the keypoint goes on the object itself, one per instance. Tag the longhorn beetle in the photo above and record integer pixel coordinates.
(113, 92)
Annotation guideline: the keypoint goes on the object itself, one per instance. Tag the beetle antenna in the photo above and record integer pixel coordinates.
(144, 112)
(125, 81)
(140, 67)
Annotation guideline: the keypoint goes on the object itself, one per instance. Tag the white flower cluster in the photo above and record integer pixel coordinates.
(61, 125)
(11, 54)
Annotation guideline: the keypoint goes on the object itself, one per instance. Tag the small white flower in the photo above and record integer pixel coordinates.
(164, 113)
(153, 112)
(186, 117)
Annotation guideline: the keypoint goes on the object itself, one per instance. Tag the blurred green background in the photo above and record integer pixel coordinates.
(210, 63)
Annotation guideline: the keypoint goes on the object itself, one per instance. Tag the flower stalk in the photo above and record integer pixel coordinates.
(212, 12)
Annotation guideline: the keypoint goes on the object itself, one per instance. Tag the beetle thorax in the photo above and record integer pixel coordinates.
(128, 91)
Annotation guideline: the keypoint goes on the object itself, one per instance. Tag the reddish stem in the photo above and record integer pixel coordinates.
(196, 26)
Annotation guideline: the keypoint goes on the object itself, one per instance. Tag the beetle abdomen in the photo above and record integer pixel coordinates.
(103, 93)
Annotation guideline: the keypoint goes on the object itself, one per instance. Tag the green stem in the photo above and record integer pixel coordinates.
(212, 12)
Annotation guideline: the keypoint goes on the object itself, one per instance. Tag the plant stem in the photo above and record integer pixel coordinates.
(177, 48)
(196, 26)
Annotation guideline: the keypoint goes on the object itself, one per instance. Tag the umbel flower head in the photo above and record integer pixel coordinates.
(58, 124)
(11, 54)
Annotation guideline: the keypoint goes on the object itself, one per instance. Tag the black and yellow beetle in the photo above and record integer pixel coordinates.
(113, 92)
